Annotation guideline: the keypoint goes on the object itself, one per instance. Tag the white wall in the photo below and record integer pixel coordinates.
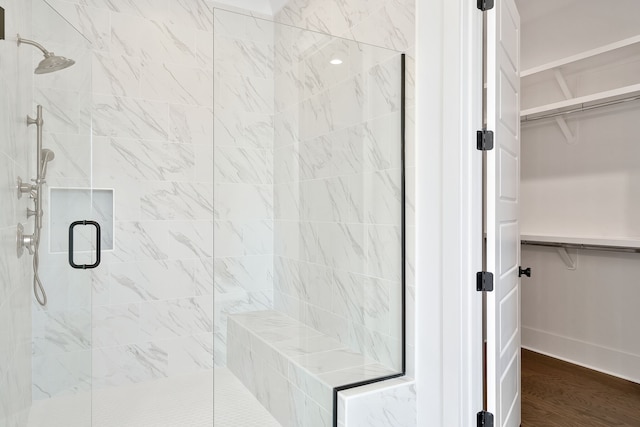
(15, 274)
(552, 29)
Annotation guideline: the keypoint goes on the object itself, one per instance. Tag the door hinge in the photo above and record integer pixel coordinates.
(484, 140)
(484, 5)
(485, 419)
(484, 281)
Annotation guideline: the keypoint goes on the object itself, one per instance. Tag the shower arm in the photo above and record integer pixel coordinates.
(32, 43)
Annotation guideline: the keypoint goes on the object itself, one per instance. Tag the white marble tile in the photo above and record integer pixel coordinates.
(91, 22)
(383, 349)
(240, 26)
(152, 9)
(73, 154)
(249, 130)
(244, 93)
(348, 298)
(227, 239)
(137, 160)
(257, 237)
(190, 354)
(384, 84)
(333, 360)
(395, 406)
(130, 364)
(243, 57)
(56, 332)
(135, 241)
(392, 26)
(384, 256)
(65, 111)
(343, 246)
(328, 323)
(129, 118)
(204, 50)
(115, 74)
(62, 374)
(157, 318)
(383, 197)
(382, 306)
(204, 276)
(115, 325)
(251, 273)
(241, 165)
(191, 239)
(242, 202)
(286, 127)
(177, 201)
(132, 282)
(287, 201)
(191, 14)
(176, 84)
(191, 124)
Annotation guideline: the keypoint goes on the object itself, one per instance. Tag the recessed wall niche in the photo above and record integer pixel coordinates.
(76, 204)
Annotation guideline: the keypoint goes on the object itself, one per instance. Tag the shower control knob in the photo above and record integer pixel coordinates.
(23, 188)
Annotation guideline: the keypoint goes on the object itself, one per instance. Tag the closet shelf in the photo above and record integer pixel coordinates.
(593, 58)
(594, 243)
(581, 102)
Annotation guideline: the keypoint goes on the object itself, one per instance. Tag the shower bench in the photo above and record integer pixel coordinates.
(291, 368)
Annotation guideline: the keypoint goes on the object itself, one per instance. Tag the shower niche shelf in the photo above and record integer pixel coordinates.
(72, 204)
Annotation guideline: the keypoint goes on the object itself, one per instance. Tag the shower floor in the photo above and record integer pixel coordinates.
(172, 402)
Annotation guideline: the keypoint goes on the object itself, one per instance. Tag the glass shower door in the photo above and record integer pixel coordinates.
(61, 360)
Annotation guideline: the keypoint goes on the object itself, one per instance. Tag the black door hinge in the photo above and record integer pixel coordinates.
(484, 140)
(484, 5)
(484, 281)
(485, 419)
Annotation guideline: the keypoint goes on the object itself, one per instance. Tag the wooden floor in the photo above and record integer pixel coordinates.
(560, 394)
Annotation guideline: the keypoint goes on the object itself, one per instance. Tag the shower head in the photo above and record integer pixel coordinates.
(46, 155)
(51, 61)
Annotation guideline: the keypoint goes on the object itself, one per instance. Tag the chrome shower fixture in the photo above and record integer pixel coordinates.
(51, 61)
(46, 155)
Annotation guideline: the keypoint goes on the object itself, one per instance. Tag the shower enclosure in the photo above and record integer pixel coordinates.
(309, 220)
(277, 269)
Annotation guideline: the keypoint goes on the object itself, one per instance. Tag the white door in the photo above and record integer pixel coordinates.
(503, 230)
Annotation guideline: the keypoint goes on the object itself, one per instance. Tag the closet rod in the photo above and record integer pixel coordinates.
(628, 249)
(580, 109)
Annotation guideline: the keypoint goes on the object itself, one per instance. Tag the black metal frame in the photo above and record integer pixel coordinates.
(403, 237)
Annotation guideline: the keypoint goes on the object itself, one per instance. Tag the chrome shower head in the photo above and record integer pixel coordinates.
(51, 61)
(46, 155)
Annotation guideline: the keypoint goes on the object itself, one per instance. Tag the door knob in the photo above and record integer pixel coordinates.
(524, 271)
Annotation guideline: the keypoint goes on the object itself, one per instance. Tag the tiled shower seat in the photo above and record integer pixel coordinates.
(291, 368)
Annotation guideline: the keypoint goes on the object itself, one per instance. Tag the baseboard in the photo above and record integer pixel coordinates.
(602, 359)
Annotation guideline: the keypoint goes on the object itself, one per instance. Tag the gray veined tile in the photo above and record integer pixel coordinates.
(177, 200)
(126, 117)
(333, 360)
(192, 14)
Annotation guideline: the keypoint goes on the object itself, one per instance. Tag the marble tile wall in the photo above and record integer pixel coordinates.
(337, 190)
(244, 169)
(15, 278)
(149, 312)
(389, 24)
